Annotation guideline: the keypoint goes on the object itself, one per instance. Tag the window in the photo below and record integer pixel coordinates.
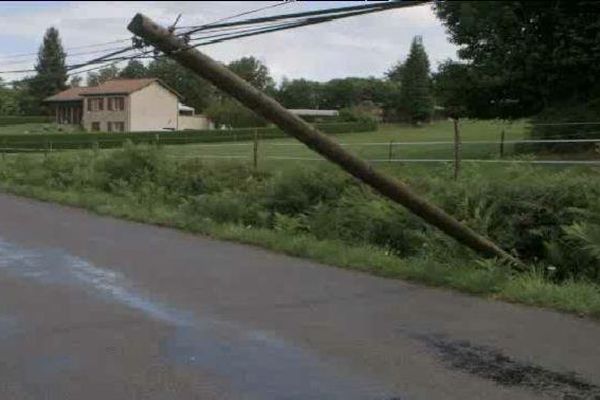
(115, 126)
(115, 103)
(96, 104)
(95, 126)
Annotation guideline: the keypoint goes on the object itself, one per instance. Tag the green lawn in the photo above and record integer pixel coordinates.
(376, 145)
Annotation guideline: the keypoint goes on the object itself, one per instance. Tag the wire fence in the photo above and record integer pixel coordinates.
(376, 152)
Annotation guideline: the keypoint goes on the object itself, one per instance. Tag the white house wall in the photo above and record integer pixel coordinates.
(153, 108)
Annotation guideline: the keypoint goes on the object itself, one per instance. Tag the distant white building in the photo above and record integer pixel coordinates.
(302, 112)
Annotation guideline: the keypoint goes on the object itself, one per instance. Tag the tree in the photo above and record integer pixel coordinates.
(9, 104)
(465, 93)
(254, 72)
(300, 93)
(416, 87)
(196, 92)
(229, 112)
(51, 72)
(395, 73)
(103, 75)
(134, 69)
(534, 54)
(75, 81)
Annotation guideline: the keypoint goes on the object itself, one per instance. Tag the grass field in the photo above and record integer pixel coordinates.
(376, 145)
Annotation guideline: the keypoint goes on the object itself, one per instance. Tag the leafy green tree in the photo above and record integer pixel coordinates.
(51, 71)
(416, 90)
(300, 93)
(134, 69)
(465, 93)
(532, 53)
(395, 73)
(9, 104)
(103, 75)
(255, 72)
(229, 112)
(196, 92)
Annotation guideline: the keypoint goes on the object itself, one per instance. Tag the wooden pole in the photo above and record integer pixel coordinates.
(390, 151)
(255, 149)
(502, 144)
(259, 102)
(456, 149)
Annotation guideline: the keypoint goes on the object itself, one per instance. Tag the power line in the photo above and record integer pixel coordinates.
(122, 50)
(303, 19)
(70, 48)
(214, 23)
(329, 11)
(67, 55)
(354, 11)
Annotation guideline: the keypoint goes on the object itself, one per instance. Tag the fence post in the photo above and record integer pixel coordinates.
(502, 144)
(390, 151)
(255, 149)
(456, 149)
(157, 139)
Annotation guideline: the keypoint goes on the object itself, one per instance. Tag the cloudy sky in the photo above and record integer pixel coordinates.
(357, 46)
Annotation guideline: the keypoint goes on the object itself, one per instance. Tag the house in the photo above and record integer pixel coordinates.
(125, 105)
(314, 113)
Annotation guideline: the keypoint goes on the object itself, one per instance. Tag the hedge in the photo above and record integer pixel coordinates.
(18, 120)
(41, 142)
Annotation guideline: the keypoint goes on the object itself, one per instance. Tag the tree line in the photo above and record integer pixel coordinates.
(533, 59)
(405, 93)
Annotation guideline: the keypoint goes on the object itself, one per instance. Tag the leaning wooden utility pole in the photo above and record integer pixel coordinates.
(214, 72)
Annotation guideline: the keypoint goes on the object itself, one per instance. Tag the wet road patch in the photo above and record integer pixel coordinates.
(266, 367)
(254, 362)
(490, 363)
(8, 326)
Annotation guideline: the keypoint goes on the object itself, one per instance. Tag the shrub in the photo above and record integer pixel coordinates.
(24, 119)
(130, 165)
(565, 113)
(357, 114)
(298, 190)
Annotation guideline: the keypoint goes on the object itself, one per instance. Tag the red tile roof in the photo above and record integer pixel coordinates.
(71, 94)
(120, 86)
(114, 86)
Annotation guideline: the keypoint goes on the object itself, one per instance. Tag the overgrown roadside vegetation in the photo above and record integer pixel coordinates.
(548, 217)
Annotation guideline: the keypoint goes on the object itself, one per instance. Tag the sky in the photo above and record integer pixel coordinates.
(358, 46)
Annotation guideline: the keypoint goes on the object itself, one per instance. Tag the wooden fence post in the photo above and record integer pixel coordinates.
(456, 149)
(255, 149)
(390, 151)
(502, 144)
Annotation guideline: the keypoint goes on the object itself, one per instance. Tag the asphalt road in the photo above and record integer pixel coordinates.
(97, 308)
